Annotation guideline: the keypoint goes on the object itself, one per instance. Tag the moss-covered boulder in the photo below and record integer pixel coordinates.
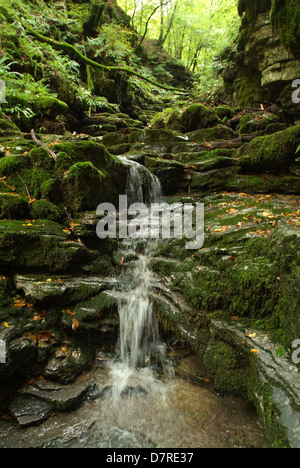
(170, 173)
(272, 152)
(13, 206)
(83, 187)
(198, 116)
(50, 106)
(40, 245)
(212, 134)
(185, 120)
(7, 127)
(43, 209)
(93, 175)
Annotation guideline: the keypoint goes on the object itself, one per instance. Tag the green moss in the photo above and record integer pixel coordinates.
(228, 368)
(5, 299)
(13, 206)
(168, 119)
(43, 209)
(219, 132)
(81, 151)
(285, 16)
(198, 116)
(261, 394)
(50, 106)
(82, 187)
(9, 164)
(272, 152)
(39, 245)
(224, 112)
(7, 127)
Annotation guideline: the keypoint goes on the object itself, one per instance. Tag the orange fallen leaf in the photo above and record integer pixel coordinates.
(70, 312)
(75, 324)
(20, 303)
(42, 336)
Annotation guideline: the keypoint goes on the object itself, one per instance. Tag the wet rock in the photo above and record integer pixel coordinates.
(30, 411)
(192, 369)
(99, 314)
(212, 134)
(21, 354)
(39, 245)
(274, 385)
(170, 173)
(60, 397)
(65, 365)
(62, 291)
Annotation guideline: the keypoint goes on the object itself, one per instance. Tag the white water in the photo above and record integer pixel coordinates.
(140, 346)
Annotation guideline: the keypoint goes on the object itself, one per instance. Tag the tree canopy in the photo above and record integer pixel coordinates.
(193, 31)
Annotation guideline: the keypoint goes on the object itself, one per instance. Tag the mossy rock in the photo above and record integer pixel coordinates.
(228, 367)
(9, 164)
(212, 134)
(170, 173)
(224, 112)
(198, 116)
(256, 123)
(168, 119)
(13, 206)
(7, 127)
(114, 139)
(82, 151)
(43, 209)
(50, 106)
(272, 152)
(83, 188)
(285, 16)
(95, 313)
(39, 245)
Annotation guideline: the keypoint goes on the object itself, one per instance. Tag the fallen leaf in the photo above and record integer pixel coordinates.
(41, 336)
(252, 335)
(75, 324)
(6, 324)
(70, 312)
(39, 317)
(20, 303)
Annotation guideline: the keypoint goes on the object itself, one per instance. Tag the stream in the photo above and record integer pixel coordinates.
(135, 398)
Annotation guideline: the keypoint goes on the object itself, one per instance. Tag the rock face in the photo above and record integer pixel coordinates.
(265, 63)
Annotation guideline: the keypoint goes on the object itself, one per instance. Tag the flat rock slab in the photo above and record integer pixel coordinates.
(60, 397)
(30, 411)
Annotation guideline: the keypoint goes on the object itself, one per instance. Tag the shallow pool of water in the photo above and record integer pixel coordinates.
(176, 414)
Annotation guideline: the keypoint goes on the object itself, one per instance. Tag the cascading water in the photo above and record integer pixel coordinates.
(139, 339)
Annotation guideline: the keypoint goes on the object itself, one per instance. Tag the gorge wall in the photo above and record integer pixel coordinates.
(266, 58)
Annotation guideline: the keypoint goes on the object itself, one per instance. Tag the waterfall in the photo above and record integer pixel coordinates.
(139, 339)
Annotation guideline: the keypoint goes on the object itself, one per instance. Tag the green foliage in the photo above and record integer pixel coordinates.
(197, 32)
(113, 45)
